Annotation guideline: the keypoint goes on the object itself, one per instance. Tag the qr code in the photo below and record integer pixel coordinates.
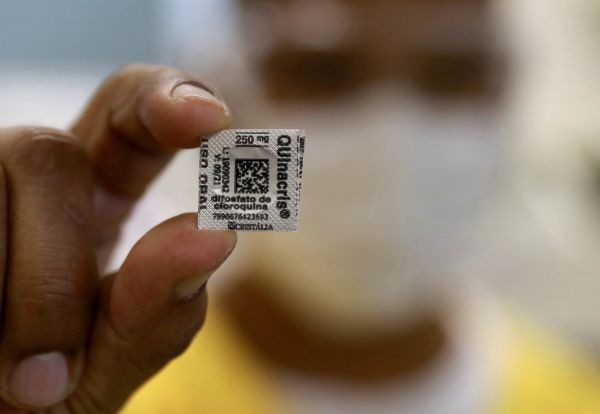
(251, 176)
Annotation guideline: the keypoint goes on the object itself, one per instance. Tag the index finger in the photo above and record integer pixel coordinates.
(139, 117)
(134, 124)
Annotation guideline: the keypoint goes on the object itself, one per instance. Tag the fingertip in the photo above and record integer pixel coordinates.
(178, 116)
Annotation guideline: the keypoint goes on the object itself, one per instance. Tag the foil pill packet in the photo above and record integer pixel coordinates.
(250, 180)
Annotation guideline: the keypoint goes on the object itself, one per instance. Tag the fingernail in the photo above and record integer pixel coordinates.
(191, 287)
(40, 380)
(195, 90)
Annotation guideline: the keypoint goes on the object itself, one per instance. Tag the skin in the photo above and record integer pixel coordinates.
(63, 198)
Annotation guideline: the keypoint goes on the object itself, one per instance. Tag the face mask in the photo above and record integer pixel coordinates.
(388, 187)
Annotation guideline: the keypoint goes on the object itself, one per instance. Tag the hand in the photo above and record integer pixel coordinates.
(71, 341)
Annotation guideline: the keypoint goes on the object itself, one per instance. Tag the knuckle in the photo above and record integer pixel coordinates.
(43, 304)
(55, 291)
(46, 151)
(129, 74)
(25, 133)
(50, 319)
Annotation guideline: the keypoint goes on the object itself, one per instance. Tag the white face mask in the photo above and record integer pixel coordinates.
(387, 190)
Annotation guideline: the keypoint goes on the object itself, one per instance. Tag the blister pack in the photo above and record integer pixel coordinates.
(250, 180)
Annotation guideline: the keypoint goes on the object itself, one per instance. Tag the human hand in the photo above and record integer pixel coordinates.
(70, 340)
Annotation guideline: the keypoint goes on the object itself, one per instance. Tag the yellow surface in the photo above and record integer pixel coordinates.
(543, 376)
(217, 375)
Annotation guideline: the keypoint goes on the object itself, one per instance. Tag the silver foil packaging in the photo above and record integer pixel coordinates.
(250, 180)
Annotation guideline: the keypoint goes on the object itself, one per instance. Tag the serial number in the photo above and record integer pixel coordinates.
(240, 216)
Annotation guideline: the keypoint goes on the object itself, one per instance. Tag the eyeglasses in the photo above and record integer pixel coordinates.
(438, 47)
(294, 74)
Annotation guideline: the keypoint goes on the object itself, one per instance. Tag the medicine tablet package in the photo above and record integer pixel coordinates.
(250, 180)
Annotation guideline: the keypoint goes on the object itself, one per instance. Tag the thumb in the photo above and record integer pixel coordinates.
(149, 311)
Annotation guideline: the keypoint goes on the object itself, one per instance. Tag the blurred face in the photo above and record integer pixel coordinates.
(390, 180)
(321, 49)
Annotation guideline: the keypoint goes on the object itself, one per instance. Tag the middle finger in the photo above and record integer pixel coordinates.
(51, 278)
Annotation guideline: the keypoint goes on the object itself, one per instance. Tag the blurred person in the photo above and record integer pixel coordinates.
(365, 309)
(355, 309)
(368, 308)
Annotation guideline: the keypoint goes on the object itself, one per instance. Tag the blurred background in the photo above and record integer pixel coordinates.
(450, 224)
